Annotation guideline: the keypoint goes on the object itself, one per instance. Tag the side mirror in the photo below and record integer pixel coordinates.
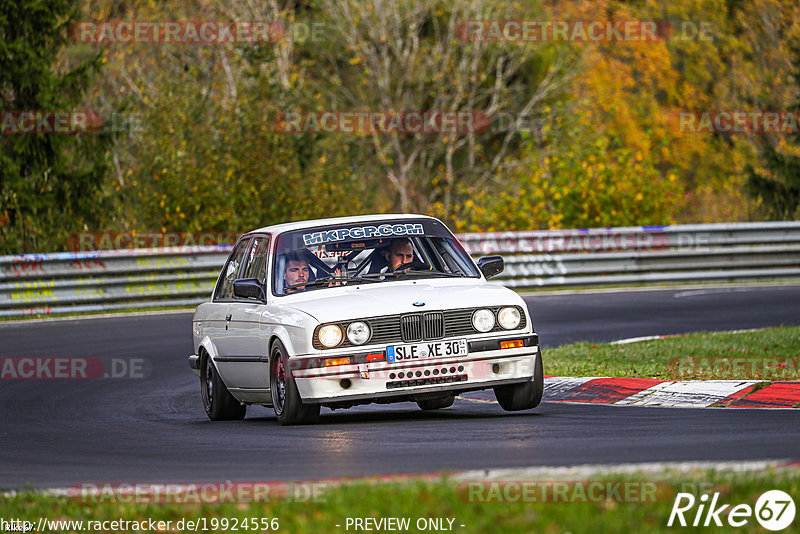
(249, 288)
(491, 265)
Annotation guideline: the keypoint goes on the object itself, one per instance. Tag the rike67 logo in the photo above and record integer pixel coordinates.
(774, 510)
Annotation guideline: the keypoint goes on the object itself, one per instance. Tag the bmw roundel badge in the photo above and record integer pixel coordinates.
(418, 304)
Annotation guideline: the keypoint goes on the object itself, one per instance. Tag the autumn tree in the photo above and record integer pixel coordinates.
(777, 182)
(49, 183)
(415, 56)
(209, 155)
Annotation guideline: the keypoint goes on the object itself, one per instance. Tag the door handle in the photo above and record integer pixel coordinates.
(228, 317)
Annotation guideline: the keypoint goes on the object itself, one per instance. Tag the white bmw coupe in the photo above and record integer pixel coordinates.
(355, 310)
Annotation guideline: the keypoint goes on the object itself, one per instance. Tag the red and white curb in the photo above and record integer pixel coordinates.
(678, 394)
(666, 393)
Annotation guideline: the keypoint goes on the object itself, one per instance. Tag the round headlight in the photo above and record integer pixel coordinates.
(508, 318)
(483, 320)
(358, 333)
(330, 335)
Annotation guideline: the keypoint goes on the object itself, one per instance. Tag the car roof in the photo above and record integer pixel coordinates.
(299, 225)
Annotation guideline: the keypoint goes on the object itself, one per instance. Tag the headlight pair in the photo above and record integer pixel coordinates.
(484, 319)
(331, 335)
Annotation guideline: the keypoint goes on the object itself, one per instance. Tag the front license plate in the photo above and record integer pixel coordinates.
(436, 349)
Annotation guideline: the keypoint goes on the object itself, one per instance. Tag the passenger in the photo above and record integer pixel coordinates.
(297, 272)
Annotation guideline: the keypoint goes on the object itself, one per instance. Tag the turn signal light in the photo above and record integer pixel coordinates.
(337, 361)
(512, 344)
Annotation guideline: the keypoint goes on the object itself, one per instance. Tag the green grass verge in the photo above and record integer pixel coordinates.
(444, 499)
(768, 354)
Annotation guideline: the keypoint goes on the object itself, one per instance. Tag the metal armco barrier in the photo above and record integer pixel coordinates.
(76, 282)
(49, 284)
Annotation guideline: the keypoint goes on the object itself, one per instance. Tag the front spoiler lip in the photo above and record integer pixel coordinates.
(404, 392)
(373, 388)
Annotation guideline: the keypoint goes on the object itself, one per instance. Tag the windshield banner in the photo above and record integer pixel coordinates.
(362, 232)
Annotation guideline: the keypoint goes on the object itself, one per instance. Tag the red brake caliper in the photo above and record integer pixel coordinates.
(280, 372)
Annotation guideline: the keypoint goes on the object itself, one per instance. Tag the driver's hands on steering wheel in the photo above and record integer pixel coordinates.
(414, 265)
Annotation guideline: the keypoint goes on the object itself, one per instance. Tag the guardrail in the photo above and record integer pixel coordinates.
(75, 282)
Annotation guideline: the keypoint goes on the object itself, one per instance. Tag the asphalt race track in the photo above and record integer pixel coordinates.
(56, 433)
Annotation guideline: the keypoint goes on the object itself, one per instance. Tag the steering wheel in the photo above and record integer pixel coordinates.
(414, 265)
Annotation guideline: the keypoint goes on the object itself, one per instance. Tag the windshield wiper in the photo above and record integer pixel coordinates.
(398, 274)
(431, 273)
(327, 281)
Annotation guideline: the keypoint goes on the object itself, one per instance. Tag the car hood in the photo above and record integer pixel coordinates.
(389, 298)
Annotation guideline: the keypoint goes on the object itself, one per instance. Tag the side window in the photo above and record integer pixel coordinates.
(257, 259)
(225, 285)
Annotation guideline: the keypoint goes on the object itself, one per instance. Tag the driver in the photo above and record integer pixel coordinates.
(399, 253)
(297, 271)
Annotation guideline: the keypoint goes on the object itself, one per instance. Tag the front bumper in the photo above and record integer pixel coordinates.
(194, 364)
(486, 365)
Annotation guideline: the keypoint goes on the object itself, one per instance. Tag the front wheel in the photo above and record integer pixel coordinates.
(525, 396)
(218, 402)
(289, 408)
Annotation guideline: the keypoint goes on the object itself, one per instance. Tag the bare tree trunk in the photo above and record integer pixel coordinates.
(394, 67)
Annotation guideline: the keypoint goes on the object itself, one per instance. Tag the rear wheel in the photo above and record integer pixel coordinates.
(525, 396)
(219, 404)
(289, 408)
(437, 404)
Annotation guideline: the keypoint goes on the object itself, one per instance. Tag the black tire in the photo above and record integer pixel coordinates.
(437, 404)
(218, 402)
(525, 396)
(289, 408)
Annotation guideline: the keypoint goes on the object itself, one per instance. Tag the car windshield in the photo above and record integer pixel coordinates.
(368, 252)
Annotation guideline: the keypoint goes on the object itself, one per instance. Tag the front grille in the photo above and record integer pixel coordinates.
(433, 325)
(459, 323)
(411, 328)
(395, 329)
(421, 326)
